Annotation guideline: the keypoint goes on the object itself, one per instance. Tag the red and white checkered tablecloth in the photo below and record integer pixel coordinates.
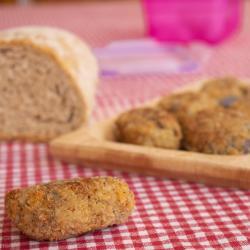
(169, 214)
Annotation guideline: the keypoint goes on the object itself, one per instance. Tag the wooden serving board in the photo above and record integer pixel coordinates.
(97, 147)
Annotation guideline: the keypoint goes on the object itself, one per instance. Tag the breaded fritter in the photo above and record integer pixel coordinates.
(149, 127)
(219, 88)
(63, 209)
(186, 103)
(240, 105)
(217, 131)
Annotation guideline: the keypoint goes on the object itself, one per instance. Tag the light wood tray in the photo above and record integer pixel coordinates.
(96, 146)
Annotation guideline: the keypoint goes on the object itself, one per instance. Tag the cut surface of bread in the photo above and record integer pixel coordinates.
(47, 83)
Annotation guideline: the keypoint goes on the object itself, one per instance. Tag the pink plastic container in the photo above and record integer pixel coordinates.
(187, 20)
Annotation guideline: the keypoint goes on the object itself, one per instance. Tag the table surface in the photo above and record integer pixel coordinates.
(169, 214)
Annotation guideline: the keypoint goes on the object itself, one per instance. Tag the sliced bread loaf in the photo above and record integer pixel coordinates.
(47, 83)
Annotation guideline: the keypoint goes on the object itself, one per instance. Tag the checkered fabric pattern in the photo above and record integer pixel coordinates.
(169, 214)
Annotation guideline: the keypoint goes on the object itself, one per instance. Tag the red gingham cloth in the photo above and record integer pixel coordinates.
(169, 214)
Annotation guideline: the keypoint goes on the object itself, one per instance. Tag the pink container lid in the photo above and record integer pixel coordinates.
(186, 20)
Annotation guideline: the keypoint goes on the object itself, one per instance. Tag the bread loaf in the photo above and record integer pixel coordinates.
(47, 83)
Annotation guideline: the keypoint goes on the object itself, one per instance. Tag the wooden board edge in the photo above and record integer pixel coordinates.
(183, 166)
